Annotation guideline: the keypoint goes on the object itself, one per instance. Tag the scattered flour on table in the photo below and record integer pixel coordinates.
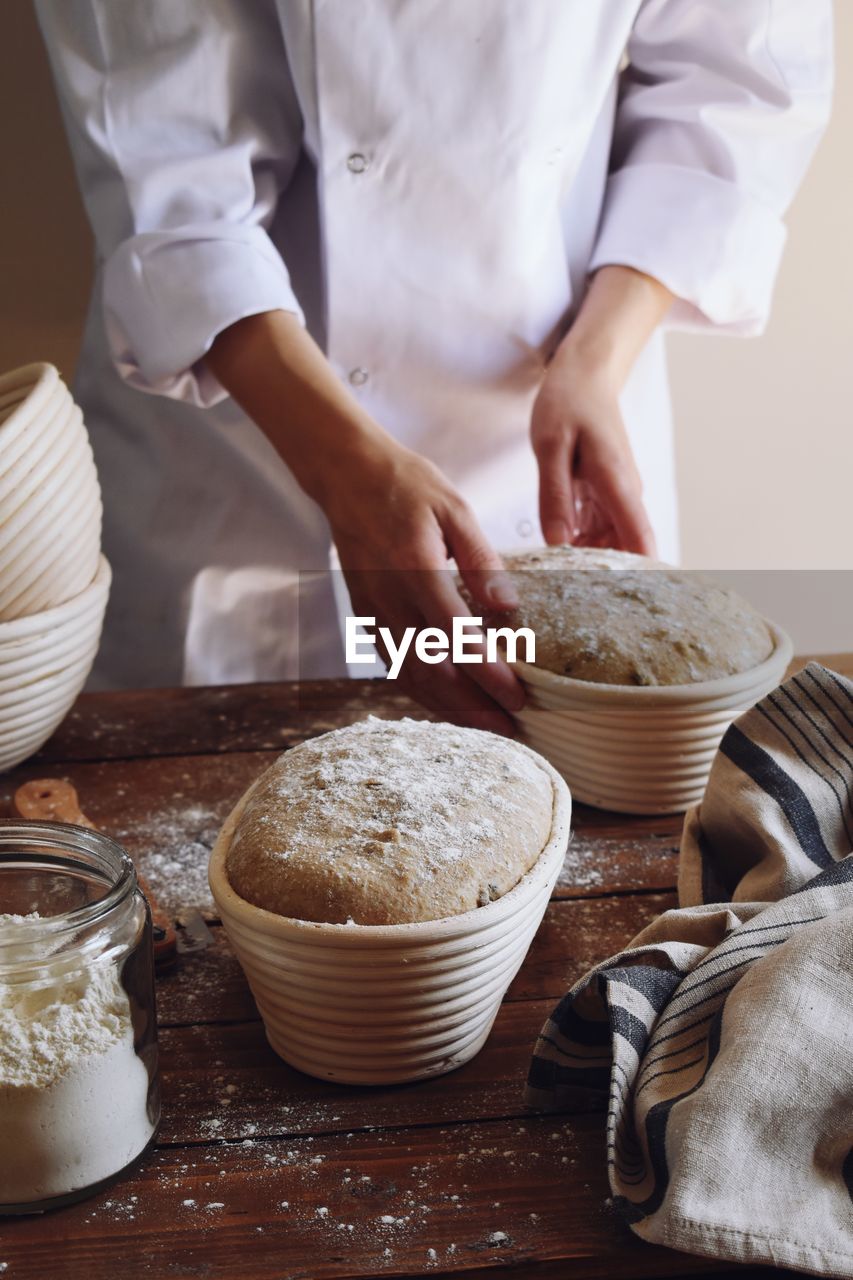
(408, 1210)
(173, 847)
(581, 867)
(595, 861)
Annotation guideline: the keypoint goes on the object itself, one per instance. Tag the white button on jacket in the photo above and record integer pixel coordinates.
(428, 183)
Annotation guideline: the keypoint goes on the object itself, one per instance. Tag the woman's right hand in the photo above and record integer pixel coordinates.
(396, 522)
(395, 519)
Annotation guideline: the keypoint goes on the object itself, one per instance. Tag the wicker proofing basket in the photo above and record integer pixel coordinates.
(50, 499)
(44, 661)
(640, 749)
(381, 1004)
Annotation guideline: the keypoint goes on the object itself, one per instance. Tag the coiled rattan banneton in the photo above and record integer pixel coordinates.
(640, 749)
(379, 1004)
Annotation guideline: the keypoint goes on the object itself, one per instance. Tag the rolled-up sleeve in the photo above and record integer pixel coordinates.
(185, 129)
(721, 107)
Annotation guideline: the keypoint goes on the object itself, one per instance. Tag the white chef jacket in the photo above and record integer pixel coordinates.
(428, 184)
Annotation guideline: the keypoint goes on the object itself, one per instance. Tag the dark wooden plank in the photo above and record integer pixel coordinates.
(507, 1193)
(205, 987)
(246, 717)
(225, 1082)
(574, 936)
(618, 826)
(194, 721)
(208, 986)
(621, 856)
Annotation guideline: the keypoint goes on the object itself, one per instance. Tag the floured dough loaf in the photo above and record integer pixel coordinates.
(616, 618)
(385, 822)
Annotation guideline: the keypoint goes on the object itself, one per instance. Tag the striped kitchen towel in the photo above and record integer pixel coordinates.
(721, 1039)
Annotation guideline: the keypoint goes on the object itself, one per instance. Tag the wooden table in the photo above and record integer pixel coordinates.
(261, 1173)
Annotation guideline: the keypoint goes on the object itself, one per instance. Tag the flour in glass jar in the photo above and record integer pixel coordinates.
(73, 1092)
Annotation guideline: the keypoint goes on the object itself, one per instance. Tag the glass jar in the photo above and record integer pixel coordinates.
(79, 1088)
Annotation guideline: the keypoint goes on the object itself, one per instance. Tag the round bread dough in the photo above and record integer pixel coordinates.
(386, 822)
(616, 618)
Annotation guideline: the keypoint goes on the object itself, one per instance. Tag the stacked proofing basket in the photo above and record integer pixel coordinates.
(53, 580)
(640, 749)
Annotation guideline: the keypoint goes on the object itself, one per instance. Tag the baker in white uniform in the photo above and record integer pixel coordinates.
(428, 187)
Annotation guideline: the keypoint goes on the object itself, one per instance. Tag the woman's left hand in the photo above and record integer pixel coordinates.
(590, 491)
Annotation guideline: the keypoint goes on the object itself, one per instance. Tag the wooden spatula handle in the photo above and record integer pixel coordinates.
(49, 800)
(55, 800)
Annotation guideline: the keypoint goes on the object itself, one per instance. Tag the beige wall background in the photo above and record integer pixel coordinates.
(764, 426)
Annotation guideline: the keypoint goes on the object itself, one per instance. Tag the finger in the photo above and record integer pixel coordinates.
(458, 700)
(614, 482)
(376, 594)
(630, 518)
(393, 619)
(556, 490)
(595, 528)
(440, 603)
(589, 519)
(480, 567)
(430, 597)
(402, 599)
(399, 600)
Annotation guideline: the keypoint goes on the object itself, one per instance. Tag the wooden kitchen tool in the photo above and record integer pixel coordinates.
(55, 800)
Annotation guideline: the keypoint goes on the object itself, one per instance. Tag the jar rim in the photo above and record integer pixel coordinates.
(70, 838)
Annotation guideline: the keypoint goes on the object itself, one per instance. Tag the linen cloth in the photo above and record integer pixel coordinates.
(722, 1037)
